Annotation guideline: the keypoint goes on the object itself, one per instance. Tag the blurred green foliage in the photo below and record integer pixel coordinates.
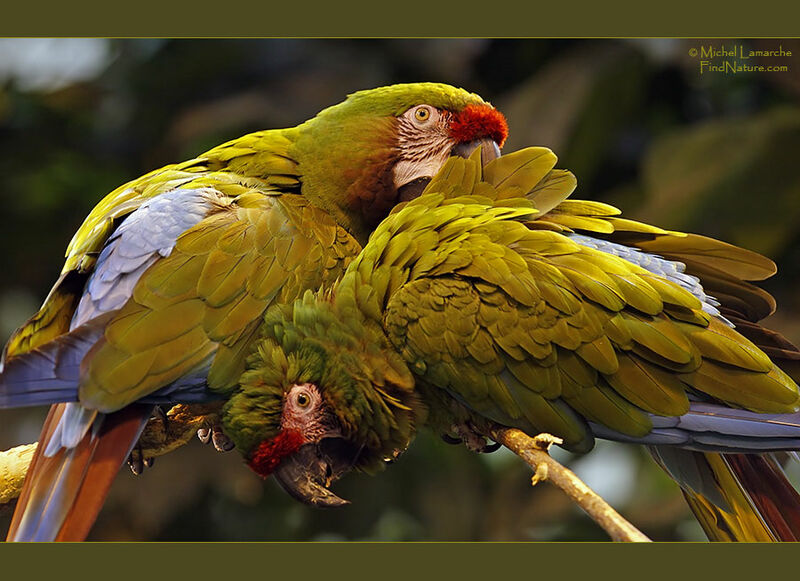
(635, 120)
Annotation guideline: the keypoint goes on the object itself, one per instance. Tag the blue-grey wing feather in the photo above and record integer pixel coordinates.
(672, 270)
(712, 427)
(146, 235)
(52, 372)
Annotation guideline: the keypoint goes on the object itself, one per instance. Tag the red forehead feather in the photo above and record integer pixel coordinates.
(270, 452)
(477, 121)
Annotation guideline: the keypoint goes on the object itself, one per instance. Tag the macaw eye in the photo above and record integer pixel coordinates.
(422, 114)
(302, 399)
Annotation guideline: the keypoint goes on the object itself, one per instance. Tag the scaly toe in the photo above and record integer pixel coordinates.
(135, 462)
(161, 415)
(474, 440)
(543, 441)
(451, 439)
(222, 443)
(204, 435)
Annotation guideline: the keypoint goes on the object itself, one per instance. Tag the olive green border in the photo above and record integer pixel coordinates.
(359, 18)
(408, 561)
(412, 561)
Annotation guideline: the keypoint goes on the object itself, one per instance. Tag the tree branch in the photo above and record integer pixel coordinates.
(13, 466)
(158, 438)
(534, 452)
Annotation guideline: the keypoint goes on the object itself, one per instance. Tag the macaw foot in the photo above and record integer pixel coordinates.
(544, 440)
(222, 443)
(471, 438)
(137, 461)
(160, 415)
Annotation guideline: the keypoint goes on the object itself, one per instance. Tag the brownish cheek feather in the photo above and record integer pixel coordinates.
(373, 194)
(270, 453)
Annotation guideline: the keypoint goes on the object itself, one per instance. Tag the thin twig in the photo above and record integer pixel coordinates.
(534, 452)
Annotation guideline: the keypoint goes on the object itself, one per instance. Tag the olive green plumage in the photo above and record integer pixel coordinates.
(206, 298)
(349, 358)
(166, 282)
(499, 316)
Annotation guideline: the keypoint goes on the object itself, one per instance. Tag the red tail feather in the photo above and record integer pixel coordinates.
(63, 494)
(761, 503)
(773, 496)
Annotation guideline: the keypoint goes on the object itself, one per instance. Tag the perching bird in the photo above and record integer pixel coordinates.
(166, 282)
(492, 298)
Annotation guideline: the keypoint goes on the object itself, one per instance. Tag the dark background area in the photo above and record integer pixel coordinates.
(635, 120)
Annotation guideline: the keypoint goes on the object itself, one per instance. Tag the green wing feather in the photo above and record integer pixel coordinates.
(203, 303)
(257, 160)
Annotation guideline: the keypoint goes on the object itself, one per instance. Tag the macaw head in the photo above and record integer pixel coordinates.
(323, 395)
(382, 146)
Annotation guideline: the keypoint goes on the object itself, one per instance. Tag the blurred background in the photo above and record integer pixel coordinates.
(637, 121)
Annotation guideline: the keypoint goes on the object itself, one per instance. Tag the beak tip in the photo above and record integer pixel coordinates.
(305, 477)
(332, 502)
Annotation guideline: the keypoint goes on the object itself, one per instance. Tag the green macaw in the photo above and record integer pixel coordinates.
(493, 299)
(167, 280)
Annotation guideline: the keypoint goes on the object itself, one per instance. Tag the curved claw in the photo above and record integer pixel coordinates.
(215, 434)
(204, 435)
(489, 448)
(137, 462)
(306, 475)
(222, 443)
(161, 416)
(451, 439)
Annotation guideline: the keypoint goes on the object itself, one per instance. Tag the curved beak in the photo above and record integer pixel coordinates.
(489, 149)
(307, 474)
